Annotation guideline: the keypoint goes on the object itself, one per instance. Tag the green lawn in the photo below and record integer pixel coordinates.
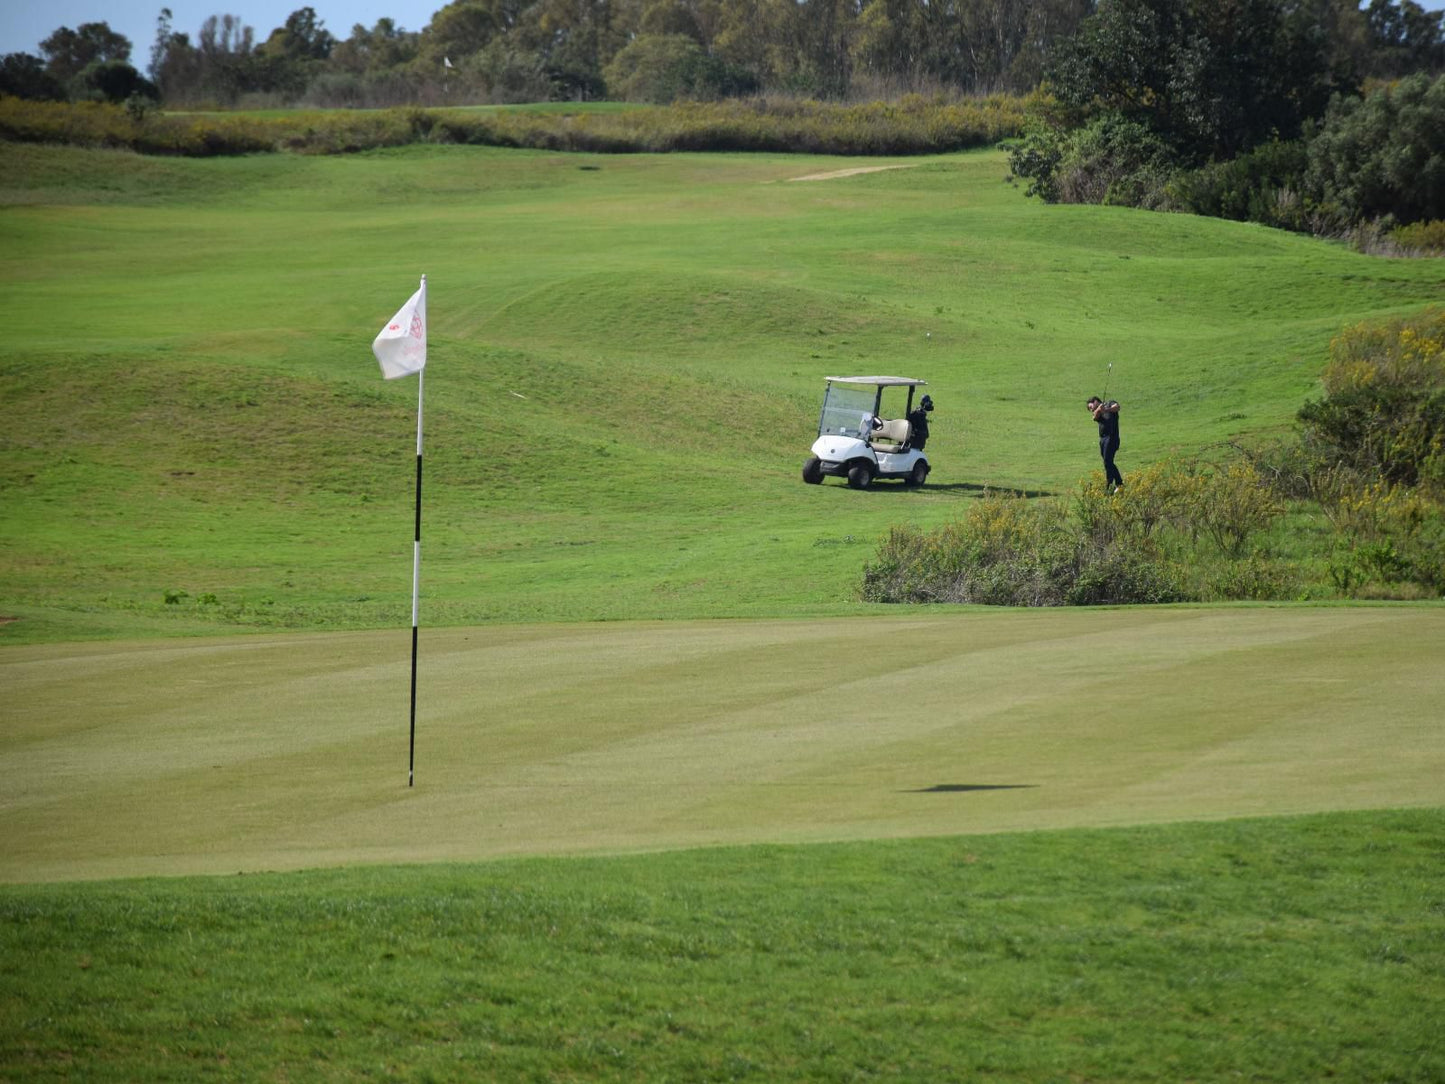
(817, 840)
(626, 361)
(1276, 950)
(285, 752)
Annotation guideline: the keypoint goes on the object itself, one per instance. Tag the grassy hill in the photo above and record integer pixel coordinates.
(626, 361)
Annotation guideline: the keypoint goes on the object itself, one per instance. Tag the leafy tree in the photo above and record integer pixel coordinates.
(117, 81)
(466, 27)
(163, 40)
(384, 46)
(293, 55)
(1210, 77)
(753, 35)
(69, 52)
(303, 37)
(218, 68)
(662, 17)
(577, 38)
(1404, 38)
(665, 67)
(513, 74)
(652, 68)
(1383, 155)
(24, 76)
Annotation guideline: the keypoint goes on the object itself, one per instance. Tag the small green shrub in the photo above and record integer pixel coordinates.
(1387, 534)
(1232, 505)
(1262, 185)
(1383, 414)
(1010, 551)
(1253, 579)
(1109, 160)
(1425, 238)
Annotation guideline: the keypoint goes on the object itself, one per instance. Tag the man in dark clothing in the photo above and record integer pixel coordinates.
(1107, 415)
(918, 423)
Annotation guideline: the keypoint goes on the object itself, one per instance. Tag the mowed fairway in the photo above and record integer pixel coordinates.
(282, 752)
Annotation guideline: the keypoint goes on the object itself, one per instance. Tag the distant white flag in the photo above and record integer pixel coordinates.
(401, 346)
(447, 61)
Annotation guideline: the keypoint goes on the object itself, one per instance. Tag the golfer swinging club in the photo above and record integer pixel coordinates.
(1107, 415)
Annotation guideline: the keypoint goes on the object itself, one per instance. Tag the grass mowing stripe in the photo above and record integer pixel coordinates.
(277, 752)
(1275, 950)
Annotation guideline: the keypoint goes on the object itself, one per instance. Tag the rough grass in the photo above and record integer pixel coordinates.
(1286, 949)
(912, 125)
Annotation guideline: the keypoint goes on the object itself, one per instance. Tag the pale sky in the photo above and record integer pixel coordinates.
(24, 23)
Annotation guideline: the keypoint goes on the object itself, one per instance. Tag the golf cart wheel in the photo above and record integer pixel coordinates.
(860, 476)
(813, 470)
(918, 475)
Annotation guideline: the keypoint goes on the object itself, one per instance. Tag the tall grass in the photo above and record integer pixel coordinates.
(913, 125)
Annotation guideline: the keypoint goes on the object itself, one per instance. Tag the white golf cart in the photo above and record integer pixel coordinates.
(858, 441)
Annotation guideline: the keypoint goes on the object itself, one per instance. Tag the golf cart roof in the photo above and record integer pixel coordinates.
(877, 381)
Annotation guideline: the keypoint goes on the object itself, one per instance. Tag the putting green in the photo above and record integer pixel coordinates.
(277, 752)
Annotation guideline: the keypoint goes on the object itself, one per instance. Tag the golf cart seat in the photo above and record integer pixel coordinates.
(893, 435)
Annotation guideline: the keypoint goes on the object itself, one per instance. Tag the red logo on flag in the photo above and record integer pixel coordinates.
(415, 330)
(394, 327)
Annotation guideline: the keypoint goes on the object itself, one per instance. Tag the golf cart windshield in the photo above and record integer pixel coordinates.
(845, 410)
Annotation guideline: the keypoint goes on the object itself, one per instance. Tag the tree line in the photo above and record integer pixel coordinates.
(1193, 65)
(1310, 115)
(1316, 115)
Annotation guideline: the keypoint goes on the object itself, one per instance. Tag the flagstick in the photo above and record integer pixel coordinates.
(400, 349)
(415, 583)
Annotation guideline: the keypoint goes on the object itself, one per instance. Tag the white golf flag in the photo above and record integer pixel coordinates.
(401, 346)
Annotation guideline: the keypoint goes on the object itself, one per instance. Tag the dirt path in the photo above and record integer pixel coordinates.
(850, 172)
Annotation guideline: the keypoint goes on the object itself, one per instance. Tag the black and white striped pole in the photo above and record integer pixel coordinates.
(401, 350)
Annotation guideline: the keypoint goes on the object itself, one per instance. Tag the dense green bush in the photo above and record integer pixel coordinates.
(1384, 154)
(1386, 535)
(1383, 413)
(1422, 238)
(115, 81)
(1370, 458)
(24, 76)
(1264, 185)
(1110, 159)
(1248, 111)
(1180, 530)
